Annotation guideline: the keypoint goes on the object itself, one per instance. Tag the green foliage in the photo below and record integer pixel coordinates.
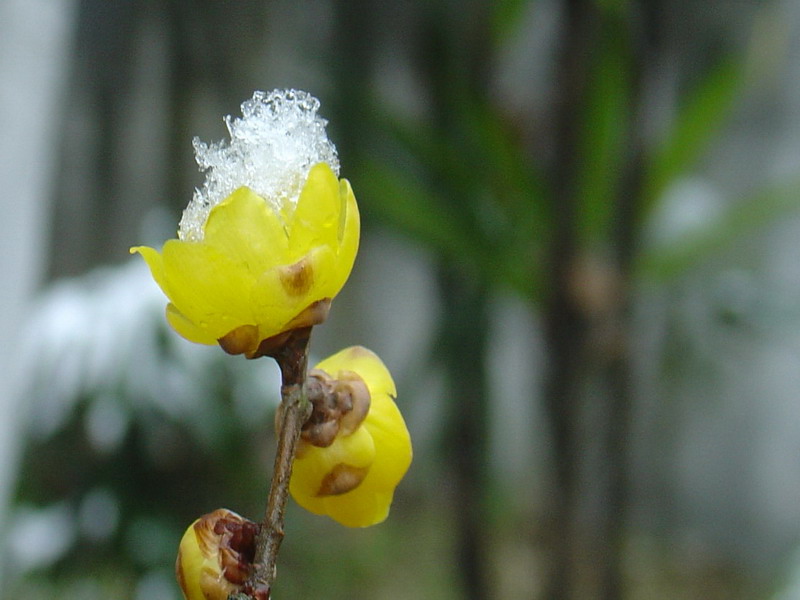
(404, 201)
(699, 118)
(506, 17)
(605, 140)
(468, 192)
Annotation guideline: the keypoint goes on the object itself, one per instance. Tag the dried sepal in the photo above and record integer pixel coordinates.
(354, 395)
(339, 406)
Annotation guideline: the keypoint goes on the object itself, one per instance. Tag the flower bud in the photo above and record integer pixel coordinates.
(355, 448)
(215, 556)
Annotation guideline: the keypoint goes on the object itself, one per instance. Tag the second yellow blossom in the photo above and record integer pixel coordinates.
(353, 479)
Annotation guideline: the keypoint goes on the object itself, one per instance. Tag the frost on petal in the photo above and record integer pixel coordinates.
(272, 148)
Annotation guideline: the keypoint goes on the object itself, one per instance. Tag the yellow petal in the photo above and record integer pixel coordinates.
(314, 464)
(244, 228)
(190, 564)
(390, 435)
(369, 503)
(207, 287)
(315, 221)
(284, 291)
(272, 306)
(153, 259)
(363, 507)
(326, 285)
(349, 234)
(186, 328)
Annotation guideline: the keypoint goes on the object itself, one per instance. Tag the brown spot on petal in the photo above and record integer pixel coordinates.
(298, 278)
(241, 340)
(342, 479)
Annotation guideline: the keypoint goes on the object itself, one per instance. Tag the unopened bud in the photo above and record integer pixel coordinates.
(352, 478)
(215, 557)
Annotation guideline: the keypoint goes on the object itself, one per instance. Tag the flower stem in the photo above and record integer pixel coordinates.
(292, 358)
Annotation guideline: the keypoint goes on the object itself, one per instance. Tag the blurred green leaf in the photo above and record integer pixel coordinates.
(704, 112)
(744, 218)
(605, 122)
(496, 154)
(404, 202)
(617, 6)
(506, 16)
(467, 191)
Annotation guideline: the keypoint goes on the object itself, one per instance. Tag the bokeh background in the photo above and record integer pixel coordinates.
(580, 260)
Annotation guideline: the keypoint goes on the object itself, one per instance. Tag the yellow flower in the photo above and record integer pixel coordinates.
(258, 272)
(215, 556)
(352, 479)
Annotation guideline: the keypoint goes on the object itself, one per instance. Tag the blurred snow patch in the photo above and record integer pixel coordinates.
(688, 207)
(102, 339)
(38, 537)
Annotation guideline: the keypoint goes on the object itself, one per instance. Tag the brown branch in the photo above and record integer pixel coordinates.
(565, 325)
(294, 410)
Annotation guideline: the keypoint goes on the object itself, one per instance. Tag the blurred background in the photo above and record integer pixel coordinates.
(579, 260)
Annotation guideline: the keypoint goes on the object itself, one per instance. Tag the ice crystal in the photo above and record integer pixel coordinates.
(273, 146)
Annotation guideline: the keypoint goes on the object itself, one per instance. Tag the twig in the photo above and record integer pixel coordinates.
(292, 358)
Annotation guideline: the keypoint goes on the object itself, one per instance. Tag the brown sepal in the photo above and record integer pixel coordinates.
(313, 314)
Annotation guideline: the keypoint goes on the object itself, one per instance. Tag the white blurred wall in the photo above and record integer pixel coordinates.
(35, 40)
